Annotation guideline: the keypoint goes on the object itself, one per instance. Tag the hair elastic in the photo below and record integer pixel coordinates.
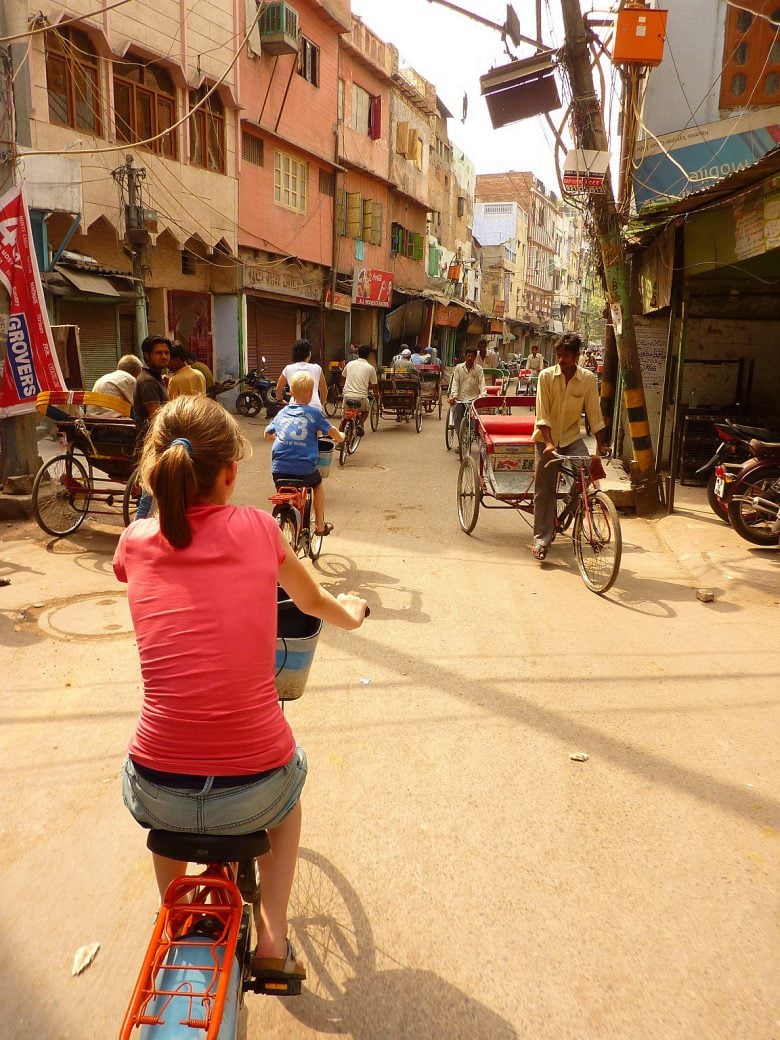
(186, 442)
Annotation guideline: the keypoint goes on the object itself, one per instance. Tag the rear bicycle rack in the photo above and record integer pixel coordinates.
(188, 976)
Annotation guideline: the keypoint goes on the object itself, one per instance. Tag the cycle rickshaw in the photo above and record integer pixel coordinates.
(96, 471)
(397, 397)
(430, 387)
(501, 476)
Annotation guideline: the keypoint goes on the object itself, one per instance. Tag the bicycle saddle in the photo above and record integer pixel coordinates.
(208, 848)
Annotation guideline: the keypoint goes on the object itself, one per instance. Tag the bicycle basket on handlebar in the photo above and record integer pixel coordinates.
(296, 641)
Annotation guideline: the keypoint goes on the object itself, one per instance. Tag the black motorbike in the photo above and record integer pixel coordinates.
(259, 393)
(733, 450)
(753, 494)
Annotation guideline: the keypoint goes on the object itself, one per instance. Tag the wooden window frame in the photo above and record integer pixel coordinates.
(66, 52)
(296, 190)
(366, 112)
(753, 43)
(207, 126)
(309, 61)
(158, 100)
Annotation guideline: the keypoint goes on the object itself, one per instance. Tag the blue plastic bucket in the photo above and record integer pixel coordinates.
(296, 642)
(327, 448)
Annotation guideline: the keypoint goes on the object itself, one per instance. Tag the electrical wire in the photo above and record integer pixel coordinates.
(66, 21)
(757, 14)
(174, 126)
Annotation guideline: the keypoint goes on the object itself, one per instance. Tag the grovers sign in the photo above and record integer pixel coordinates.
(31, 363)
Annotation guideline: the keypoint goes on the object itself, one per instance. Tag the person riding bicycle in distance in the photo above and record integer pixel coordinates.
(468, 383)
(564, 391)
(359, 377)
(294, 432)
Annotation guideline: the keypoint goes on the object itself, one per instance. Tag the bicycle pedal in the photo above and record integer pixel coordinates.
(275, 987)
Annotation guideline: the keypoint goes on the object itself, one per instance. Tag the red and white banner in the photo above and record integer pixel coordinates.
(372, 288)
(31, 363)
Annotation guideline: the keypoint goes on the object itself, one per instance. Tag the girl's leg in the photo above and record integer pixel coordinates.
(277, 871)
(165, 870)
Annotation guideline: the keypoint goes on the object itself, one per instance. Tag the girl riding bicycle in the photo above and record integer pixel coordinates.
(212, 751)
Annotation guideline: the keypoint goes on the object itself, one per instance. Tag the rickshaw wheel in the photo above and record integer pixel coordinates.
(449, 429)
(469, 494)
(418, 416)
(60, 495)
(439, 405)
(374, 414)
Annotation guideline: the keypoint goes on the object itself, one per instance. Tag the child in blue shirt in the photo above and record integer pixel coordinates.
(294, 432)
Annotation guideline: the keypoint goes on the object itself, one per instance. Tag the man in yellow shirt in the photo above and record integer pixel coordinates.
(564, 391)
(185, 380)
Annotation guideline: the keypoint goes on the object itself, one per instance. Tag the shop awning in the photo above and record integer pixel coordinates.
(89, 284)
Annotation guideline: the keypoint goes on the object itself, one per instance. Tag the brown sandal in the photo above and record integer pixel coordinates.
(325, 531)
(279, 969)
(539, 552)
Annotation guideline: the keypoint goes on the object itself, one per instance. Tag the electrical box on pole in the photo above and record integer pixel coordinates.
(639, 36)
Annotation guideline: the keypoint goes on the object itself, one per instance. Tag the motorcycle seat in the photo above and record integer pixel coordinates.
(764, 449)
(761, 433)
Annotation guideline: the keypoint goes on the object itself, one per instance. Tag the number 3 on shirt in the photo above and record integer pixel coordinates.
(296, 429)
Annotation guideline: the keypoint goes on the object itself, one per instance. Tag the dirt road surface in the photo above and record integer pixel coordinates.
(461, 877)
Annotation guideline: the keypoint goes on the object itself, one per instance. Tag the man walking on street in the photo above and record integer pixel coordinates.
(486, 355)
(564, 391)
(535, 363)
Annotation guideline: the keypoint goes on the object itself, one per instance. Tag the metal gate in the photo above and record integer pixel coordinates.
(271, 332)
(97, 325)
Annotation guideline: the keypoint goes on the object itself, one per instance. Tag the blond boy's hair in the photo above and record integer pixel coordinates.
(302, 382)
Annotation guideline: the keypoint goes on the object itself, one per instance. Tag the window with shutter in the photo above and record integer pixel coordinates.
(368, 210)
(409, 239)
(418, 153)
(395, 238)
(376, 225)
(433, 261)
(375, 119)
(340, 215)
(418, 249)
(402, 138)
(354, 214)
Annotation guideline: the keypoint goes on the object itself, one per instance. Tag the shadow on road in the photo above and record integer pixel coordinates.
(341, 574)
(348, 993)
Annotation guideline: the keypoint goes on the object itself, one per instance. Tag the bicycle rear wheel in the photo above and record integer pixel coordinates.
(598, 542)
(331, 401)
(374, 413)
(354, 441)
(343, 448)
(313, 539)
(285, 518)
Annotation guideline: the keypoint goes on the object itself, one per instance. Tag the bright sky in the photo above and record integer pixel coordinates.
(453, 51)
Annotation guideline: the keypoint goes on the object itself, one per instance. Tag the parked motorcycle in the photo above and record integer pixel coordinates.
(258, 395)
(753, 494)
(732, 451)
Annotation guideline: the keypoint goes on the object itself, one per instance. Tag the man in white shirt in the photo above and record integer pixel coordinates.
(120, 383)
(359, 377)
(468, 383)
(564, 391)
(535, 363)
(486, 356)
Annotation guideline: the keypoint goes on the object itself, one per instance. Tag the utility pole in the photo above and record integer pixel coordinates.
(589, 133)
(18, 437)
(137, 238)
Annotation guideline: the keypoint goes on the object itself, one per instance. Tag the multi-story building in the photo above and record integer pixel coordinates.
(503, 224)
(143, 81)
(542, 208)
(290, 96)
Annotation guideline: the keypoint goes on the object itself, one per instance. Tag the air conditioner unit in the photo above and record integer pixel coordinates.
(279, 29)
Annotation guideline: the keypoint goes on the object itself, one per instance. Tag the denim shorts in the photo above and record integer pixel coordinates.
(225, 810)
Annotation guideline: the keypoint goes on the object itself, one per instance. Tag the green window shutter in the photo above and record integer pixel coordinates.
(354, 215)
(418, 247)
(433, 260)
(395, 238)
